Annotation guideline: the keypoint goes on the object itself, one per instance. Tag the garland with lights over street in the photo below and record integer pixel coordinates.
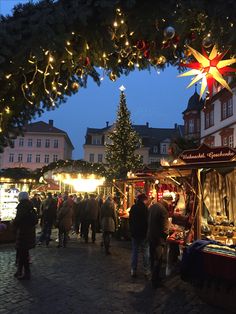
(49, 49)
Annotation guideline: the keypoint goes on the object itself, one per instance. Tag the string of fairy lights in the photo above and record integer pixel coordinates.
(55, 76)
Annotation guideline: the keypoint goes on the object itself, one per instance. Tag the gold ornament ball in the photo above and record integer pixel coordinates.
(161, 60)
(75, 86)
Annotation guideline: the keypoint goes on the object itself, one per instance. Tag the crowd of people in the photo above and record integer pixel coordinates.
(148, 227)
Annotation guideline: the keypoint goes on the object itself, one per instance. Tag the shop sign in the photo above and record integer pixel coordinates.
(208, 154)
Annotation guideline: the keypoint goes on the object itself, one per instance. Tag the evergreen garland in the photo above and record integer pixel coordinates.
(71, 166)
(122, 143)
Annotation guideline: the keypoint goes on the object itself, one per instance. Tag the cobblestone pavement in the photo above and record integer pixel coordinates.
(82, 279)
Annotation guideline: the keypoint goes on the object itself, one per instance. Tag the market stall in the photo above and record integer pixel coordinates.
(215, 220)
(11, 183)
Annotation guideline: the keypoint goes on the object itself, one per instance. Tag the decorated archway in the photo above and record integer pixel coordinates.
(49, 49)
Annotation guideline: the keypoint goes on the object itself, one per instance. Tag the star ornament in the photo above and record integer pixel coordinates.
(209, 68)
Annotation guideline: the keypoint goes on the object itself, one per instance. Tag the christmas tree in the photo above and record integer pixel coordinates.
(122, 143)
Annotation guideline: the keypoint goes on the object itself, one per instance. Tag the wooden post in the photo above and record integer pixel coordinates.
(200, 205)
(124, 197)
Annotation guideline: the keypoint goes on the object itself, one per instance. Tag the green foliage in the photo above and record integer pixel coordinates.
(80, 166)
(122, 143)
(17, 174)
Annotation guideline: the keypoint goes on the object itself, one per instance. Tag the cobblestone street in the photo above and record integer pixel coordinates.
(81, 279)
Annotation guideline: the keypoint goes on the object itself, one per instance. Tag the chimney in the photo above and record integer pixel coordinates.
(107, 124)
(50, 122)
(147, 124)
(176, 126)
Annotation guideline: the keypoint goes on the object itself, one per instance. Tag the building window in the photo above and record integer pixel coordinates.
(152, 160)
(29, 158)
(47, 143)
(100, 156)
(20, 157)
(209, 117)
(155, 149)
(96, 140)
(227, 108)
(231, 141)
(37, 159)
(11, 158)
(55, 158)
(191, 126)
(46, 159)
(21, 142)
(227, 137)
(163, 149)
(39, 142)
(30, 142)
(91, 157)
(55, 144)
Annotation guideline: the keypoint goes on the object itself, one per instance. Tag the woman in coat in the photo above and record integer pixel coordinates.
(24, 224)
(64, 221)
(108, 222)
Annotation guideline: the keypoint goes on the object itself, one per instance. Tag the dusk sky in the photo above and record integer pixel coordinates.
(157, 98)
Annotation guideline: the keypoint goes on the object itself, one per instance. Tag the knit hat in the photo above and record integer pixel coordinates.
(23, 196)
(142, 197)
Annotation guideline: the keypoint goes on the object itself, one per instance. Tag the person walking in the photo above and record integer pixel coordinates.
(158, 228)
(64, 220)
(24, 225)
(138, 222)
(108, 222)
(91, 218)
(49, 213)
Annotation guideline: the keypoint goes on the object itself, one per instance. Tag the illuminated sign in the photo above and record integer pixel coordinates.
(208, 154)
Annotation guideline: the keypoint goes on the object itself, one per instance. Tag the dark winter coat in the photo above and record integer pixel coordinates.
(138, 220)
(24, 224)
(65, 215)
(108, 217)
(92, 210)
(49, 210)
(158, 224)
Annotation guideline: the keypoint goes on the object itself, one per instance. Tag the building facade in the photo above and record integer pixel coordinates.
(191, 116)
(218, 120)
(212, 121)
(41, 144)
(155, 142)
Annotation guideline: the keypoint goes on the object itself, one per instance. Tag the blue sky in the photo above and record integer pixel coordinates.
(157, 98)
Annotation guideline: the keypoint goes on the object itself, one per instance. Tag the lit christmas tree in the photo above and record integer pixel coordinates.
(122, 143)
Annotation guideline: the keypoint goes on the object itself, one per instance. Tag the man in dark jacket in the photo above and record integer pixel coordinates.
(91, 217)
(158, 228)
(49, 213)
(138, 221)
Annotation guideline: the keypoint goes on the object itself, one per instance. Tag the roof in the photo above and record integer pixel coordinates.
(195, 103)
(154, 135)
(98, 131)
(43, 127)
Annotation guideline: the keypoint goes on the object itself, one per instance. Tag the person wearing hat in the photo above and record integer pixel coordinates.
(158, 229)
(138, 222)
